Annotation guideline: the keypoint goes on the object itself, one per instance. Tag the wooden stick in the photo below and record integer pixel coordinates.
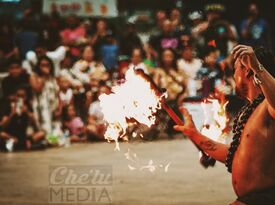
(171, 113)
(205, 160)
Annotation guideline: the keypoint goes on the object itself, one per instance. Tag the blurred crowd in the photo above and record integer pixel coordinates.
(54, 68)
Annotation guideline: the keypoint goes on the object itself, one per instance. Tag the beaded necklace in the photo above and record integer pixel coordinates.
(238, 126)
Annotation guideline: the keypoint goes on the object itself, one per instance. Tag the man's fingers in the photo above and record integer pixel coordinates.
(239, 52)
(185, 113)
(244, 57)
(187, 117)
(236, 48)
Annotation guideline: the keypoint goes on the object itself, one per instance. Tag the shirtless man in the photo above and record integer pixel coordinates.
(251, 155)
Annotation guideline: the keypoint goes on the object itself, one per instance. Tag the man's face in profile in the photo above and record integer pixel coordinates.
(240, 78)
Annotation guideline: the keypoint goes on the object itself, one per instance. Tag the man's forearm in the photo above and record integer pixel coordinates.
(214, 149)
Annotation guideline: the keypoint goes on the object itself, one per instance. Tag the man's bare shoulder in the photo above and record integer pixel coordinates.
(261, 123)
(261, 115)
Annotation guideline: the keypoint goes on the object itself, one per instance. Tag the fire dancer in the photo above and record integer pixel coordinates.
(251, 154)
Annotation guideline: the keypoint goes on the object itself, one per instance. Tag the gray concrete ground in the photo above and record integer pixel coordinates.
(24, 176)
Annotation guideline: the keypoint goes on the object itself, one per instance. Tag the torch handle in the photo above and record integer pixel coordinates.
(172, 113)
(206, 161)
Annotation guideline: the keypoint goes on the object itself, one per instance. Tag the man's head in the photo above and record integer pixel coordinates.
(253, 10)
(160, 15)
(168, 59)
(242, 79)
(210, 56)
(101, 26)
(167, 26)
(15, 68)
(244, 76)
(137, 56)
(185, 39)
(21, 93)
(187, 53)
(160, 18)
(175, 14)
(72, 21)
(88, 53)
(64, 83)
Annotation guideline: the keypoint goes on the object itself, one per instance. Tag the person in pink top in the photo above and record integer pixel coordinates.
(73, 124)
(74, 34)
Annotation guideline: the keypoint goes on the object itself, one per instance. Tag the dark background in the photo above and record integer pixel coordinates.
(235, 10)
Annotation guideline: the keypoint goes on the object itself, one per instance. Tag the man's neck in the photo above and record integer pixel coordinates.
(253, 92)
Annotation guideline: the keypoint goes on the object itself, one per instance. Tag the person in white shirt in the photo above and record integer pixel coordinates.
(65, 92)
(190, 65)
(96, 125)
(188, 62)
(56, 56)
(87, 66)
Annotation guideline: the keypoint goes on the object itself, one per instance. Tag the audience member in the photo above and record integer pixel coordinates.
(255, 30)
(87, 66)
(45, 101)
(74, 124)
(17, 77)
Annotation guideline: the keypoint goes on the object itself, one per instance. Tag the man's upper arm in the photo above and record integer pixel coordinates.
(271, 111)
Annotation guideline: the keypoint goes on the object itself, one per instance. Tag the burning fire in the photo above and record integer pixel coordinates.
(138, 99)
(215, 119)
(133, 100)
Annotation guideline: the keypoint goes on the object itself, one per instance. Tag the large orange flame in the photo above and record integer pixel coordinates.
(132, 100)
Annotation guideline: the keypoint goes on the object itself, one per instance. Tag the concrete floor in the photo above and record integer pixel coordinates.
(24, 175)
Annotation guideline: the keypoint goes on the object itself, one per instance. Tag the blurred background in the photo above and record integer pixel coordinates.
(58, 56)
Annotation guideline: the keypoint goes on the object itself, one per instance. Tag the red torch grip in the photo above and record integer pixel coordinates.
(172, 114)
(205, 160)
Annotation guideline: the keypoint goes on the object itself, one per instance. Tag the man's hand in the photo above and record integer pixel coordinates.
(214, 149)
(247, 56)
(189, 128)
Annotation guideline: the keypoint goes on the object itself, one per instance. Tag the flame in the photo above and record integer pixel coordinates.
(151, 166)
(132, 100)
(215, 119)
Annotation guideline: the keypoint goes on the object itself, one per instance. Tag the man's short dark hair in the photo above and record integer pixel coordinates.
(13, 61)
(207, 50)
(266, 58)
